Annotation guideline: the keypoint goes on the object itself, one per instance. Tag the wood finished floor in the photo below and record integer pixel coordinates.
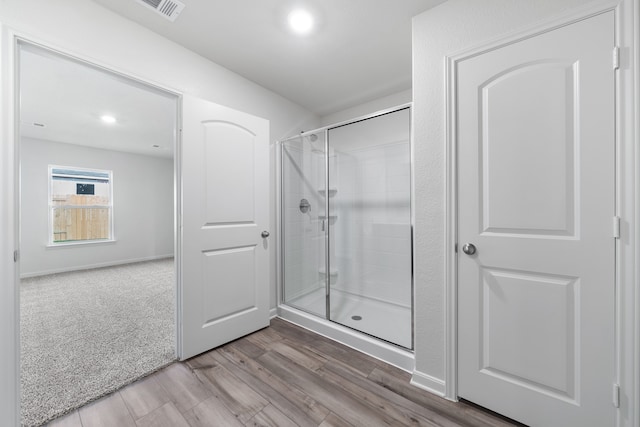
(280, 376)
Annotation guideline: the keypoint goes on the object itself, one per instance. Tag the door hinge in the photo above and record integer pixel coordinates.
(616, 57)
(16, 256)
(616, 227)
(616, 395)
(455, 248)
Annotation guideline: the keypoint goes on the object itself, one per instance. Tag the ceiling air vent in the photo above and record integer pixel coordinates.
(170, 9)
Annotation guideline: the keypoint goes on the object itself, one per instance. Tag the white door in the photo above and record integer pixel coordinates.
(225, 209)
(536, 197)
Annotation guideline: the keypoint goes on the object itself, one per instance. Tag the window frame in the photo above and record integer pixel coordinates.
(50, 208)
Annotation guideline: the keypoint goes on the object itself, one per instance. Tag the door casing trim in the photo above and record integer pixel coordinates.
(9, 125)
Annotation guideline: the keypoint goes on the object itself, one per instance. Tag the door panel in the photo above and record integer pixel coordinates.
(522, 139)
(225, 271)
(515, 307)
(229, 152)
(536, 196)
(229, 287)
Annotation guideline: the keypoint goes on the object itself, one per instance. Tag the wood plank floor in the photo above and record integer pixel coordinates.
(280, 376)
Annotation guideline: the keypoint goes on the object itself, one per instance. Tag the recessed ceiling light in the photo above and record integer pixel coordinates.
(108, 119)
(300, 21)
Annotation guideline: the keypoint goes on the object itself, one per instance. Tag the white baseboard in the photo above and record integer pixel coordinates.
(428, 383)
(97, 265)
(273, 313)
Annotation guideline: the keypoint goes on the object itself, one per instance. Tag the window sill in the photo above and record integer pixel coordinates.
(80, 243)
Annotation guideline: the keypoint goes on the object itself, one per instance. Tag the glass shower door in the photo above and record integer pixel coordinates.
(370, 254)
(303, 190)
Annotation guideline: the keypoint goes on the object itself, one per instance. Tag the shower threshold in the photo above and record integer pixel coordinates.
(384, 320)
(389, 353)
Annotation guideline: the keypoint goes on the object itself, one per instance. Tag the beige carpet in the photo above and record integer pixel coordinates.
(87, 333)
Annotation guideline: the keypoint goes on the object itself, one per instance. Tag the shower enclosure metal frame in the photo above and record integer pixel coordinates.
(280, 218)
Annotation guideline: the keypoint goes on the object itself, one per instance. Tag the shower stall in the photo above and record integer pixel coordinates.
(346, 234)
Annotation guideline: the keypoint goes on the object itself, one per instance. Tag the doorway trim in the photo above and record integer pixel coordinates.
(627, 92)
(10, 40)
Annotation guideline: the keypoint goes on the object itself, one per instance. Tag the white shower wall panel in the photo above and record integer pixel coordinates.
(303, 238)
(373, 226)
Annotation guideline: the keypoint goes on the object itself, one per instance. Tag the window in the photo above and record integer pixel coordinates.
(80, 205)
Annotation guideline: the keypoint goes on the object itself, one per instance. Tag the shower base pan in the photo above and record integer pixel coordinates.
(365, 320)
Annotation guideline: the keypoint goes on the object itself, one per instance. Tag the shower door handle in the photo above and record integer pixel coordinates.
(265, 234)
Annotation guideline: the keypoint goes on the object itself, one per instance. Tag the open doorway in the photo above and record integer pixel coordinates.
(97, 231)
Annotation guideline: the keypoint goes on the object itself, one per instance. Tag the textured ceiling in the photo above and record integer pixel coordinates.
(65, 105)
(359, 51)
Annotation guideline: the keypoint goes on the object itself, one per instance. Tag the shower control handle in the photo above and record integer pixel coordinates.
(469, 248)
(265, 234)
(305, 206)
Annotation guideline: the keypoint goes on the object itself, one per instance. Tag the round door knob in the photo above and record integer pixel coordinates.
(265, 234)
(469, 248)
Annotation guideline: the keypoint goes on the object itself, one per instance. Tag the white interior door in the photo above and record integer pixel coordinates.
(536, 197)
(225, 186)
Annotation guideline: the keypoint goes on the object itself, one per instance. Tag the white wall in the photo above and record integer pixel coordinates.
(142, 199)
(85, 29)
(383, 103)
(444, 30)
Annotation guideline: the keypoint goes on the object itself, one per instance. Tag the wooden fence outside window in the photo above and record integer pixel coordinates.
(80, 217)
